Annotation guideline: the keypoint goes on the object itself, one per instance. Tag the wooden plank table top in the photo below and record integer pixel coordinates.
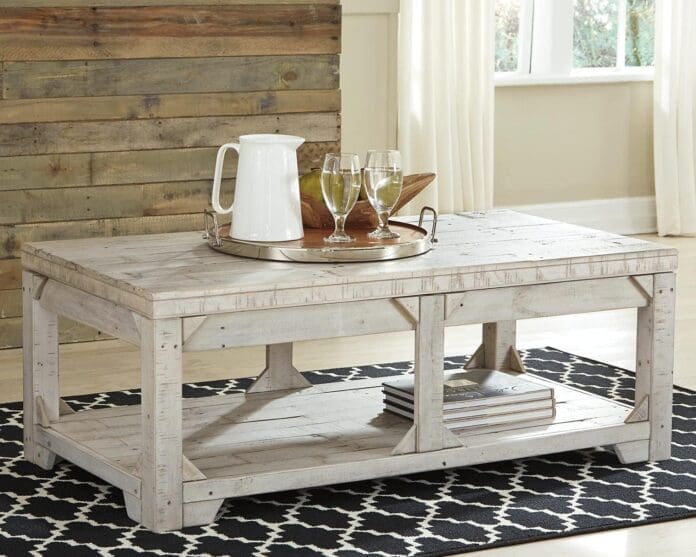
(177, 274)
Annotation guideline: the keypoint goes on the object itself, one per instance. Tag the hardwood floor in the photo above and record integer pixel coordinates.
(606, 336)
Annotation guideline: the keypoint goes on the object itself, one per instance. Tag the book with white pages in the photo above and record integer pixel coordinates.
(475, 412)
(476, 388)
(486, 421)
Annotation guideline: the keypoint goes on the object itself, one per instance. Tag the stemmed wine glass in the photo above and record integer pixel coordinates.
(384, 181)
(340, 186)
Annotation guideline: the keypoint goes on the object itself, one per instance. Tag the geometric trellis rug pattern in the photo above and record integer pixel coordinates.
(69, 513)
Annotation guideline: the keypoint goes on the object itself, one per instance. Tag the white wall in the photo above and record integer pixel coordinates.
(566, 143)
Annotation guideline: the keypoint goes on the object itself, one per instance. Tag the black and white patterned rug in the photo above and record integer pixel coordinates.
(68, 512)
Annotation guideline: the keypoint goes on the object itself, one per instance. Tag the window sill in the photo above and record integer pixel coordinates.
(576, 77)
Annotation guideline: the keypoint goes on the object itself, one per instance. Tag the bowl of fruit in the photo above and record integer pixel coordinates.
(315, 214)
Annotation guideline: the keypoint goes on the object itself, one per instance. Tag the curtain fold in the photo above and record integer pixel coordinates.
(674, 116)
(446, 100)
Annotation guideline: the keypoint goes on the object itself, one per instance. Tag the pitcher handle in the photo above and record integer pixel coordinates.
(217, 180)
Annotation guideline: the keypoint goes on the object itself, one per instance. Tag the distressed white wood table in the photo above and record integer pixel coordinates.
(177, 460)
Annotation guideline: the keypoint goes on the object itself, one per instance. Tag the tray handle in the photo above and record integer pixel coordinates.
(209, 216)
(434, 227)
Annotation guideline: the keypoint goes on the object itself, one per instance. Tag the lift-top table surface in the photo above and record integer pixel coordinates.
(176, 460)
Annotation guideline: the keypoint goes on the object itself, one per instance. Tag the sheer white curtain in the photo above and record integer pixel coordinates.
(675, 119)
(446, 100)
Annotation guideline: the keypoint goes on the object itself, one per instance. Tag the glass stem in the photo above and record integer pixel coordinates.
(340, 225)
(384, 220)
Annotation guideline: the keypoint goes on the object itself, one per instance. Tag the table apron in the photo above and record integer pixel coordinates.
(311, 322)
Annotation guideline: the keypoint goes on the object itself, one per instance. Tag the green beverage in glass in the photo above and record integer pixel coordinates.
(384, 181)
(340, 186)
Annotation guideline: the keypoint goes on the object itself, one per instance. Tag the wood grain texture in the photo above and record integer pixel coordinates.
(498, 339)
(40, 369)
(136, 200)
(130, 167)
(10, 274)
(121, 135)
(279, 373)
(110, 3)
(528, 302)
(330, 433)
(10, 303)
(90, 310)
(12, 237)
(283, 325)
(137, 95)
(162, 450)
(183, 276)
(430, 431)
(90, 33)
(655, 363)
(135, 107)
(30, 80)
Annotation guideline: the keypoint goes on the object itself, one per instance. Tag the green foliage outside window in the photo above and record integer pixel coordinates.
(594, 33)
(507, 26)
(640, 33)
(595, 29)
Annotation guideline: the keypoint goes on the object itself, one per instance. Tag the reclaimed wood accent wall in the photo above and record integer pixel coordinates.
(111, 112)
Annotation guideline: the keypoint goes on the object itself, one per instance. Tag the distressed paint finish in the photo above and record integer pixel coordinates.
(173, 289)
(655, 363)
(161, 466)
(40, 370)
(177, 276)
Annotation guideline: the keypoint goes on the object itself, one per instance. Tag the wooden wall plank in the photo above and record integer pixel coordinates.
(13, 236)
(135, 200)
(31, 80)
(56, 171)
(93, 33)
(10, 274)
(10, 303)
(68, 331)
(78, 3)
(135, 107)
(130, 167)
(121, 135)
(119, 33)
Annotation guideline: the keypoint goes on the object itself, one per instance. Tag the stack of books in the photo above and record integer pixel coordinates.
(479, 398)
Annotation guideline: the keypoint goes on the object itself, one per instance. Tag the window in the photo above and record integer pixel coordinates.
(507, 32)
(574, 40)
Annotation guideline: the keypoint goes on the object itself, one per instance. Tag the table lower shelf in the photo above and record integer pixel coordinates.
(338, 432)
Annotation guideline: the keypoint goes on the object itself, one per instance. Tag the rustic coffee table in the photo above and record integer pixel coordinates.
(177, 460)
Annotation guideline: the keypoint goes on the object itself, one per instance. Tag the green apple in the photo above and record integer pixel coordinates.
(310, 184)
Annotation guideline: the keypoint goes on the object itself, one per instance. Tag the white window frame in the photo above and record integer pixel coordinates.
(545, 49)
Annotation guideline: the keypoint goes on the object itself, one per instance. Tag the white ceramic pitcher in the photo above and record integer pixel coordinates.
(267, 195)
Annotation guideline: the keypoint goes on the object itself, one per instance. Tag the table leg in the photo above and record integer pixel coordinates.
(162, 452)
(655, 363)
(498, 348)
(41, 386)
(428, 432)
(280, 374)
(498, 339)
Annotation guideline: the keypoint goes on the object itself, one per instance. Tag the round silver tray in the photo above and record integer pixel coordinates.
(414, 240)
